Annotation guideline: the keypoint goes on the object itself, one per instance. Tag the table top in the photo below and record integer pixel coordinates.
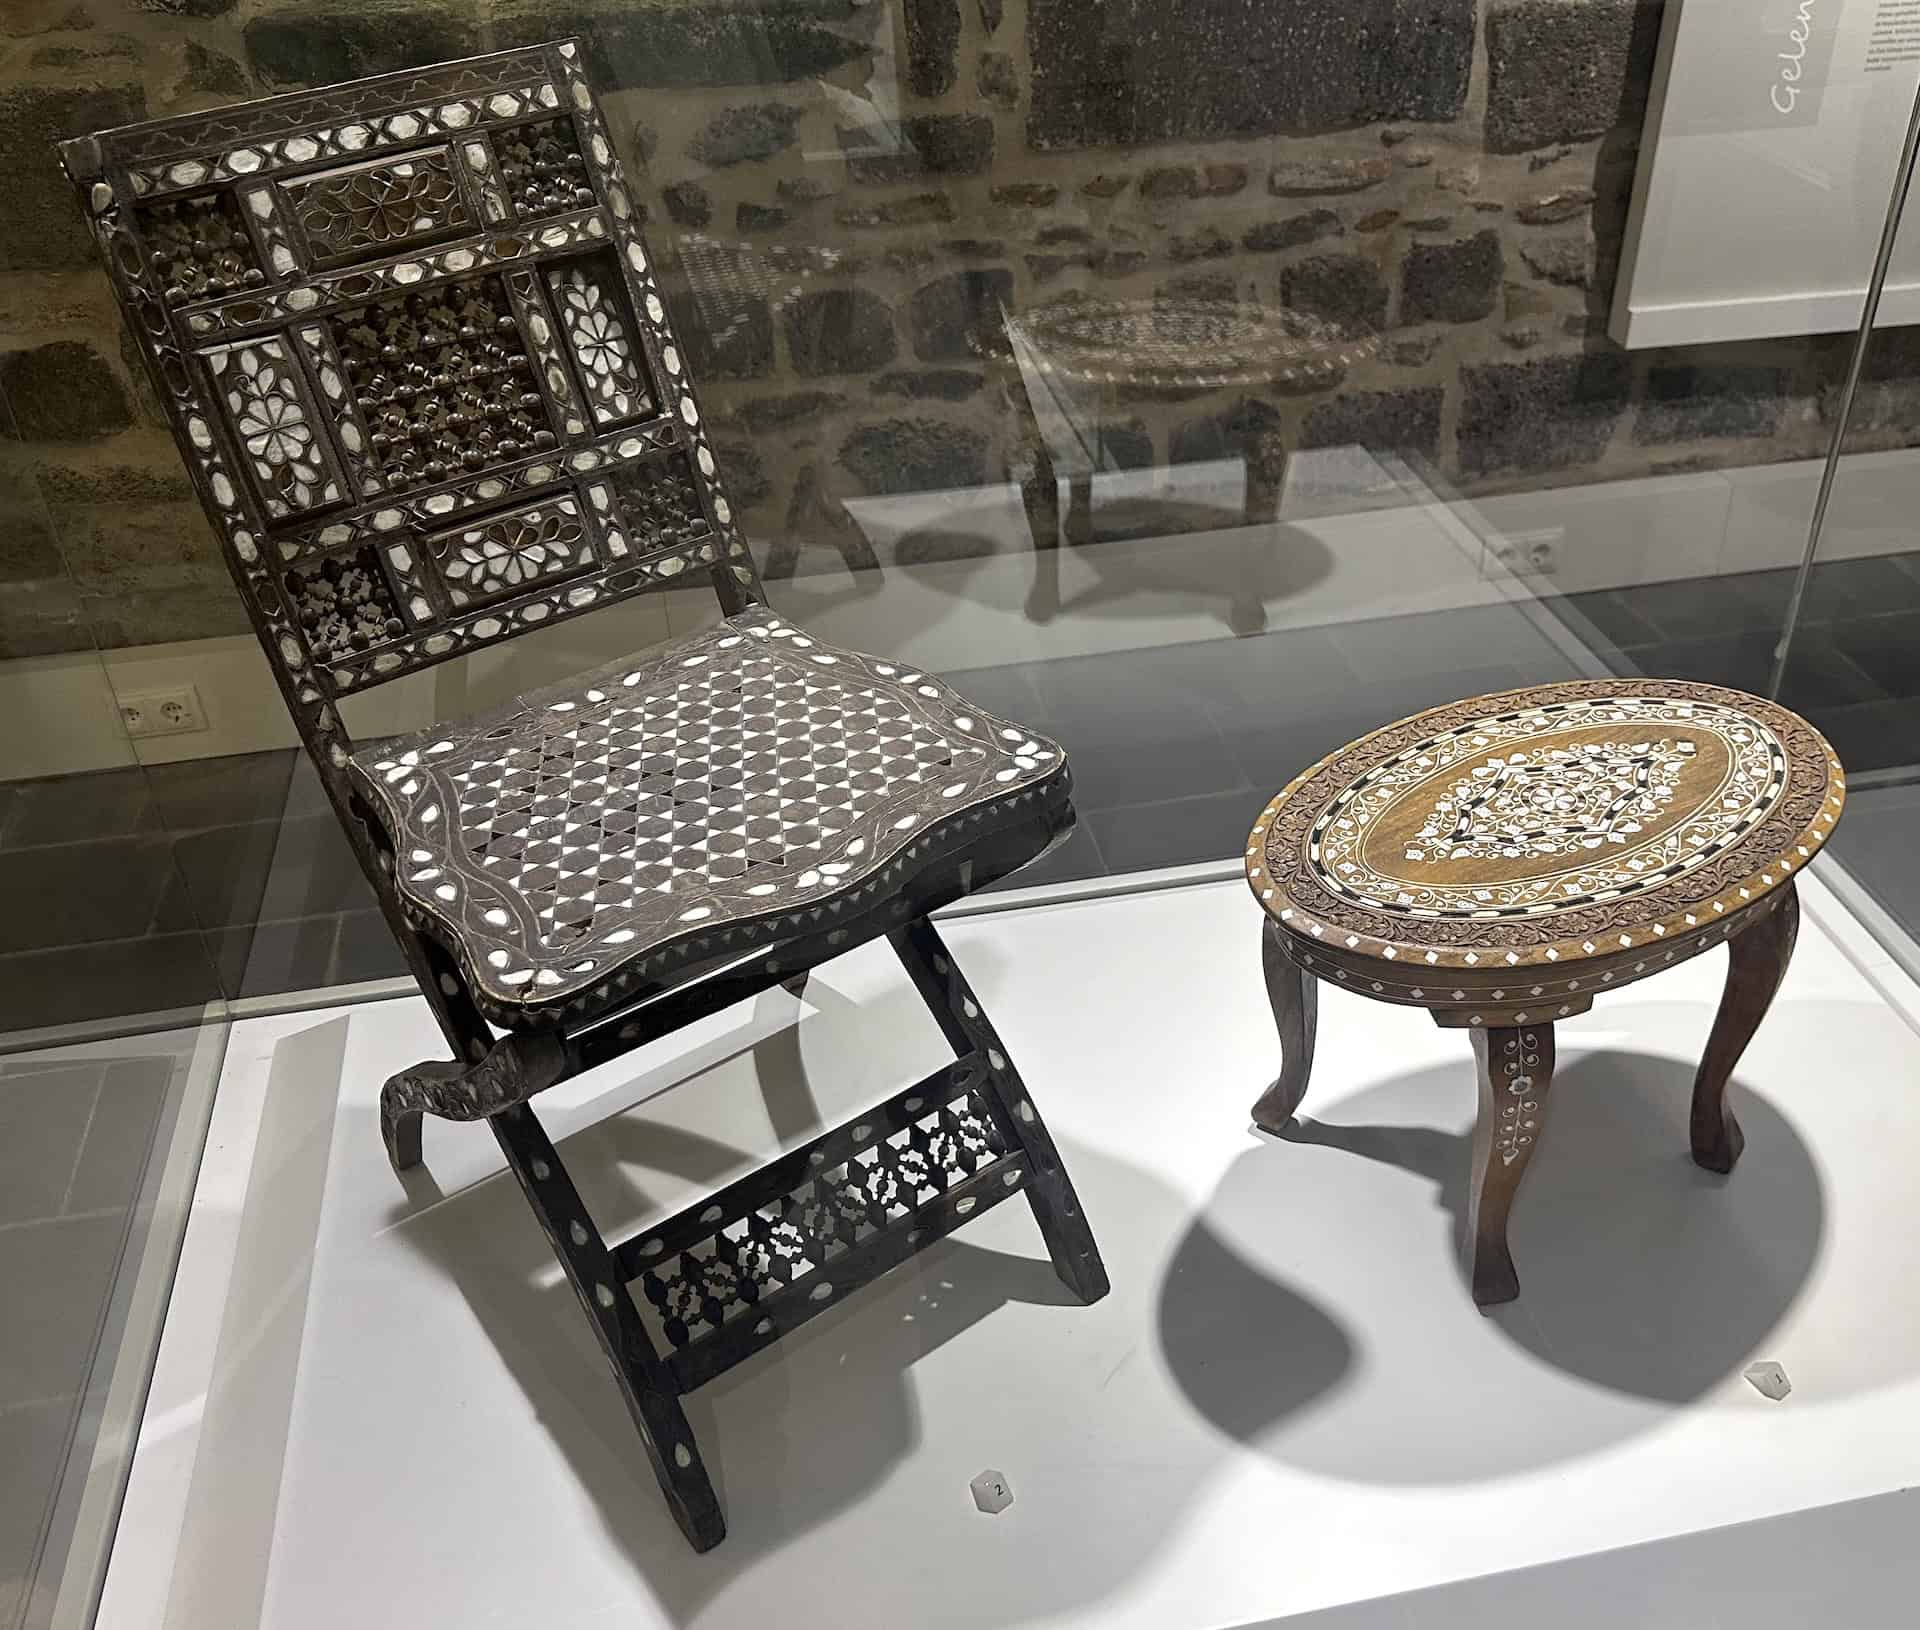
(1188, 344)
(1553, 824)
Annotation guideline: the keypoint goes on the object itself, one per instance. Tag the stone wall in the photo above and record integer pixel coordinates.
(847, 193)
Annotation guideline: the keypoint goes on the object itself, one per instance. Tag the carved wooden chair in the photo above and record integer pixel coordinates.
(412, 348)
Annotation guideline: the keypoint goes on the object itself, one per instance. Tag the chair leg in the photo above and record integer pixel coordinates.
(964, 1022)
(648, 1391)
(510, 1072)
(1295, 996)
(1757, 959)
(1516, 1073)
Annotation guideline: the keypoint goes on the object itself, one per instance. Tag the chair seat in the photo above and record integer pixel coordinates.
(737, 787)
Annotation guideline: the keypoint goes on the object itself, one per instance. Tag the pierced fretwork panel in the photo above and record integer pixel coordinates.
(379, 207)
(199, 248)
(443, 382)
(343, 604)
(541, 168)
(660, 502)
(384, 315)
(873, 1177)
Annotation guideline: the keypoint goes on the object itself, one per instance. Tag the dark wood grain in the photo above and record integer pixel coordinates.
(1295, 995)
(1757, 959)
(1516, 1073)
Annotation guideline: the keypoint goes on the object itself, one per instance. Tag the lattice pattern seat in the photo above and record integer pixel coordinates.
(569, 843)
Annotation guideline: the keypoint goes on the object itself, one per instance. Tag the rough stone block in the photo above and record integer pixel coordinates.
(188, 8)
(1551, 208)
(725, 335)
(746, 476)
(63, 391)
(996, 78)
(915, 455)
(211, 73)
(766, 413)
(676, 44)
(1452, 282)
(931, 384)
(1382, 421)
(28, 552)
(1026, 194)
(1566, 70)
(1346, 288)
(688, 203)
(1169, 182)
(317, 43)
(839, 331)
(1684, 401)
(1206, 244)
(933, 39)
(1126, 72)
(43, 223)
(1566, 259)
(804, 189)
(1326, 177)
(958, 318)
(935, 144)
(922, 209)
(1548, 414)
(748, 217)
(1267, 237)
(1104, 186)
(740, 135)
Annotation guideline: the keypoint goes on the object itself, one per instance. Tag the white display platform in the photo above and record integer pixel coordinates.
(378, 1407)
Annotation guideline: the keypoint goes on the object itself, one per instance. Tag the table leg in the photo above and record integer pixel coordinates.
(1295, 995)
(1516, 1073)
(1757, 959)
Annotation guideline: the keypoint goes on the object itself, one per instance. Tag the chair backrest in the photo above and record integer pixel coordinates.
(412, 348)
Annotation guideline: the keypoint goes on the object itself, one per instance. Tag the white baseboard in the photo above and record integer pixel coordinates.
(1359, 538)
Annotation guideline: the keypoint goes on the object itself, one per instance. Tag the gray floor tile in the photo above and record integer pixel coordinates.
(1609, 616)
(1870, 735)
(313, 871)
(265, 958)
(75, 982)
(1836, 589)
(1272, 753)
(71, 893)
(43, 1123)
(1886, 649)
(1395, 648)
(1180, 832)
(1817, 674)
(33, 1452)
(366, 949)
(54, 1279)
(223, 791)
(1007, 691)
(120, 1135)
(226, 870)
(1078, 857)
(78, 808)
(1875, 843)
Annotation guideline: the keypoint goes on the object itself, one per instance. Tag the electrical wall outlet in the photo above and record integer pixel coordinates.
(1529, 553)
(163, 712)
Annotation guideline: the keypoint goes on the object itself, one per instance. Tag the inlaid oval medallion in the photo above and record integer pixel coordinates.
(1541, 824)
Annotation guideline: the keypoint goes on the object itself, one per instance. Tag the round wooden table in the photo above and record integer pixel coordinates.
(1504, 860)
